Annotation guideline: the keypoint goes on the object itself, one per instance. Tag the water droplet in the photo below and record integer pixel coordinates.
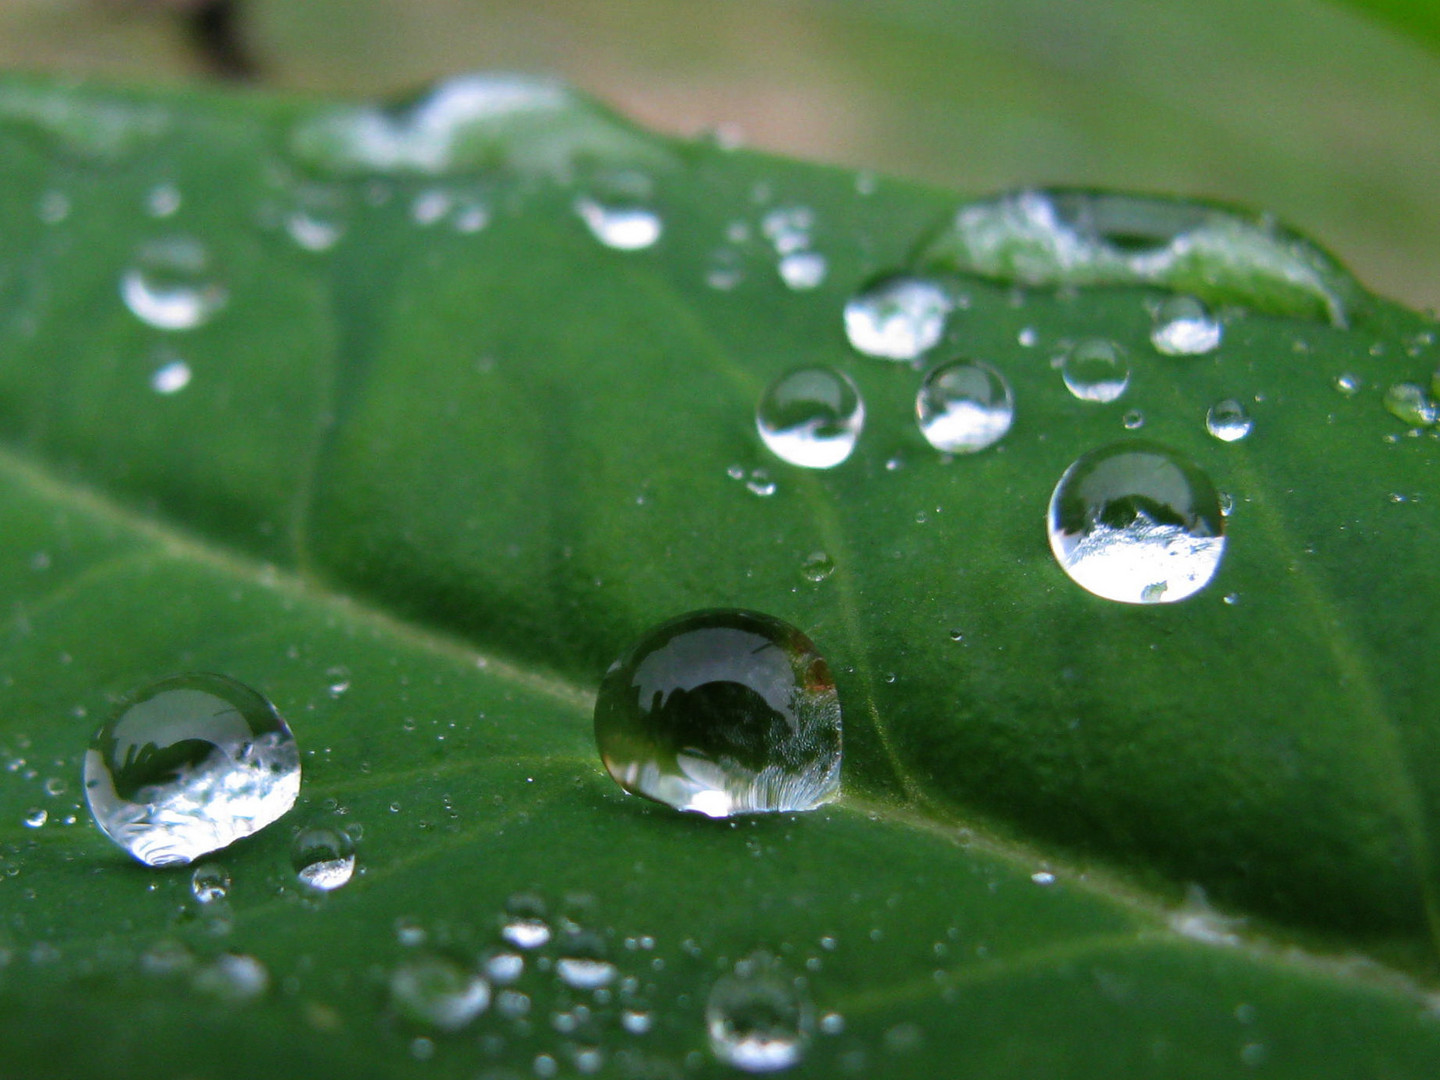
(1228, 421)
(817, 567)
(898, 318)
(811, 417)
(722, 712)
(210, 882)
(1133, 420)
(963, 407)
(339, 681)
(1096, 370)
(525, 926)
(1183, 327)
(1410, 403)
(233, 977)
(1232, 598)
(54, 207)
(623, 227)
(788, 228)
(832, 1023)
(189, 765)
(1136, 522)
(1043, 877)
(757, 1018)
(163, 200)
(1027, 337)
(170, 378)
(438, 993)
(430, 206)
(55, 786)
(802, 270)
(170, 287)
(503, 967)
(582, 965)
(760, 483)
(36, 818)
(1347, 384)
(323, 858)
(317, 222)
(637, 1021)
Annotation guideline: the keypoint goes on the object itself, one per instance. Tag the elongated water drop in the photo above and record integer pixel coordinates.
(963, 407)
(171, 286)
(189, 765)
(1228, 421)
(722, 712)
(1183, 327)
(898, 318)
(1136, 522)
(757, 1018)
(323, 858)
(622, 227)
(811, 417)
(1096, 370)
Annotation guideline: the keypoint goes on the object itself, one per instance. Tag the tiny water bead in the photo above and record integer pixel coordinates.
(1228, 421)
(437, 992)
(811, 417)
(210, 882)
(171, 286)
(964, 407)
(801, 270)
(1183, 327)
(170, 378)
(1410, 403)
(1137, 523)
(1096, 370)
(722, 712)
(189, 765)
(620, 226)
(323, 858)
(757, 1018)
(898, 318)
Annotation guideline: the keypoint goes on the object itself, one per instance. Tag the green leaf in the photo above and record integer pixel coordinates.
(431, 456)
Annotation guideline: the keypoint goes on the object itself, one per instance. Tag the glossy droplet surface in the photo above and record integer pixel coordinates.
(963, 407)
(170, 286)
(757, 1018)
(437, 992)
(188, 766)
(1184, 327)
(722, 712)
(210, 882)
(323, 858)
(620, 226)
(1138, 523)
(897, 319)
(1096, 370)
(811, 417)
(1409, 402)
(1228, 421)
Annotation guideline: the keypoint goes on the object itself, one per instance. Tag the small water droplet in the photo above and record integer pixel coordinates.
(409, 933)
(1347, 384)
(1232, 598)
(757, 1018)
(636, 1021)
(210, 882)
(55, 786)
(722, 712)
(170, 378)
(170, 287)
(1136, 522)
(1096, 370)
(233, 977)
(36, 817)
(811, 417)
(338, 681)
(1410, 403)
(54, 207)
(1184, 327)
(189, 765)
(1027, 337)
(1133, 420)
(1228, 421)
(323, 858)
(760, 483)
(438, 993)
(964, 406)
(163, 200)
(832, 1023)
(623, 227)
(817, 567)
(317, 221)
(582, 964)
(802, 270)
(898, 318)
(525, 926)
(430, 206)
(503, 967)
(1043, 877)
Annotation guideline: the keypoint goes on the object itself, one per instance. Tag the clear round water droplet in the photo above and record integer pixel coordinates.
(1137, 523)
(323, 858)
(757, 1018)
(964, 407)
(722, 712)
(210, 882)
(233, 977)
(637, 1021)
(1347, 384)
(437, 992)
(898, 318)
(1133, 420)
(163, 200)
(582, 964)
(503, 967)
(1096, 370)
(801, 270)
(1184, 327)
(188, 766)
(1228, 421)
(524, 925)
(811, 417)
(171, 378)
(1410, 403)
(317, 221)
(171, 285)
(36, 817)
(817, 567)
(624, 227)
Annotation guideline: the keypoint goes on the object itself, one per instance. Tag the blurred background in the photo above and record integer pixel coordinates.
(1303, 107)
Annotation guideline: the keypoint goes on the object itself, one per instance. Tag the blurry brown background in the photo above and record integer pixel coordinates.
(1298, 106)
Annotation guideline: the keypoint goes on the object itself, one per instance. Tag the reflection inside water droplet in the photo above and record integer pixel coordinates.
(811, 417)
(722, 712)
(1228, 421)
(1184, 327)
(898, 318)
(170, 286)
(323, 858)
(210, 882)
(1096, 370)
(963, 407)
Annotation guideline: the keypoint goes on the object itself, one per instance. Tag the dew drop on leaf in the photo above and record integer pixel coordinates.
(209, 883)
(622, 227)
(801, 270)
(1096, 370)
(323, 858)
(757, 1017)
(722, 712)
(171, 286)
(524, 924)
(170, 378)
(811, 417)
(1410, 403)
(964, 407)
(189, 765)
(1183, 327)
(437, 992)
(1137, 523)
(1228, 421)
(898, 318)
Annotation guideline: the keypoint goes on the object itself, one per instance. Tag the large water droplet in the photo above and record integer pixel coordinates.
(757, 1018)
(438, 992)
(1410, 403)
(963, 407)
(623, 227)
(188, 766)
(170, 287)
(1183, 327)
(1136, 522)
(722, 712)
(1228, 421)
(323, 858)
(811, 417)
(898, 318)
(1096, 370)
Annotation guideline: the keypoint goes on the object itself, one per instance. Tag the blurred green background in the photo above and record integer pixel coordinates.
(1303, 107)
